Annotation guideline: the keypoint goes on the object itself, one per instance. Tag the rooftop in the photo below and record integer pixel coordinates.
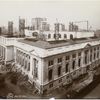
(58, 43)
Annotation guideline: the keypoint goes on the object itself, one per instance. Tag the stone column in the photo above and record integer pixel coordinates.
(82, 61)
(93, 54)
(63, 64)
(55, 68)
(70, 63)
(89, 56)
(77, 58)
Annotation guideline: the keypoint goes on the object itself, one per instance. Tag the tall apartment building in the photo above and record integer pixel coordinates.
(59, 27)
(73, 27)
(45, 26)
(40, 24)
(4, 30)
(21, 27)
(10, 28)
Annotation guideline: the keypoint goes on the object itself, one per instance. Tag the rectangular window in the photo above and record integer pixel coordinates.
(79, 54)
(59, 60)
(67, 67)
(59, 70)
(67, 57)
(50, 74)
(50, 63)
(74, 55)
(25, 64)
(79, 62)
(28, 67)
(73, 65)
(98, 54)
(94, 49)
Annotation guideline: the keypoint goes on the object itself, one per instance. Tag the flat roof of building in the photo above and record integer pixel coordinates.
(57, 43)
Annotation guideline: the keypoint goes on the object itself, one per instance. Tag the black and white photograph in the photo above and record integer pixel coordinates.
(50, 49)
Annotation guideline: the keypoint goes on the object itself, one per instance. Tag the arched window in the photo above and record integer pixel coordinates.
(59, 35)
(49, 36)
(35, 34)
(65, 36)
(71, 36)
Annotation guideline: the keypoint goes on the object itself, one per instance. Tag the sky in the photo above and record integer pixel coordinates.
(63, 10)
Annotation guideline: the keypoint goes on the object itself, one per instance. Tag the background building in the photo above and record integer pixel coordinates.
(10, 28)
(73, 27)
(21, 27)
(45, 26)
(40, 24)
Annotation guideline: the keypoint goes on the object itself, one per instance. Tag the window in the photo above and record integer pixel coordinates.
(79, 54)
(74, 55)
(67, 57)
(90, 57)
(49, 36)
(71, 36)
(59, 35)
(65, 36)
(59, 60)
(67, 67)
(54, 35)
(28, 67)
(60, 80)
(35, 68)
(51, 85)
(25, 64)
(98, 54)
(73, 64)
(79, 62)
(50, 63)
(59, 70)
(94, 49)
(50, 74)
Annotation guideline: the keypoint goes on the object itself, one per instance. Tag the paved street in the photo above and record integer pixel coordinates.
(95, 93)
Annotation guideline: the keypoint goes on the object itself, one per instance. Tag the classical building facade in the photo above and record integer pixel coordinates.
(50, 65)
(62, 35)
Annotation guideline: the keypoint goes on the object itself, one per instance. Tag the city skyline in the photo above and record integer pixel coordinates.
(64, 11)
